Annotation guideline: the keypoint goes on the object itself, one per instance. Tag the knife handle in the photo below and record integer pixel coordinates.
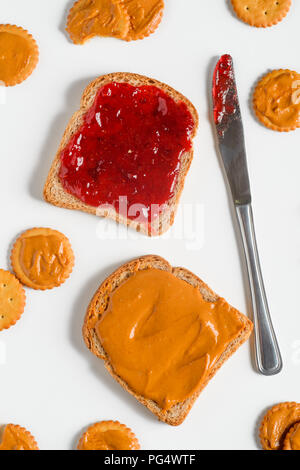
(268, 357)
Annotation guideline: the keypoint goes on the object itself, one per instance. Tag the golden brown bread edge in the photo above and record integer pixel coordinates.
(54, 192)
(99, 303)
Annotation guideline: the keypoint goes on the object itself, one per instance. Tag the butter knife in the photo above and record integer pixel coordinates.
(230, 136)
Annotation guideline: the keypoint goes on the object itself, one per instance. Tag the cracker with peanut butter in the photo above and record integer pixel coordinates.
(42, 258)
(12, 299)
(261, 13)
(108, 435)
(19, 54)
(292, 440)
(122, 19)
(89, 18)
(276, 100)
(145, 17)
(277, 423)
(14, 437)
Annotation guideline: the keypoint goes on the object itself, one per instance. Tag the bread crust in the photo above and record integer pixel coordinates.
(54, 192)
(177, 414)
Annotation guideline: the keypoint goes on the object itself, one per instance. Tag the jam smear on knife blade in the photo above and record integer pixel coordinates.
(224, 93)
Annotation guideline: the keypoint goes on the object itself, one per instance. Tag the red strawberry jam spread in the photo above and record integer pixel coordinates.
(130, 146)
(224, 91)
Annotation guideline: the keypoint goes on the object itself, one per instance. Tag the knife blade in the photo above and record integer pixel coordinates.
(230, 135)
(230, 131)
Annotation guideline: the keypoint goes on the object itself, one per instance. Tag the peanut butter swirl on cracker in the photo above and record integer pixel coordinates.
(145, 17)
(19, 54)
(108, 435)
(122, 19)
(276, 100)
(277, 423)
(14, 437)
(89, 18)
(292, 440)
(42, 258)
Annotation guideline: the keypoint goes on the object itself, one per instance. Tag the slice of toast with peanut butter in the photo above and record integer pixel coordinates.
(162, 334)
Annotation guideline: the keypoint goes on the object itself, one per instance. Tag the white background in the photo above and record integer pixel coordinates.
(49, 381)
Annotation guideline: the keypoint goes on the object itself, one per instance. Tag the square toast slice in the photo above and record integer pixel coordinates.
(54, 192)
(175, 415)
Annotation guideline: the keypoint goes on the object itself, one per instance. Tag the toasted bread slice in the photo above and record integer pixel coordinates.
(54, 191)
(99, 303)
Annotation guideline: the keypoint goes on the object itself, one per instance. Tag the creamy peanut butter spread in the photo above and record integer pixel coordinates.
(145, 16)
(292, 441)
(18, 54)
(108, 435)
(162, 337)
(277, 100)
(89, 18)
(277, 423)
(123, 19)
(17, 438)
(107, 440)
(14, 53)
(42, 258)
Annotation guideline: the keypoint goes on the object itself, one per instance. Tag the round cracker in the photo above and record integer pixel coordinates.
(102, 427)
(288, 414)
(17, 437)
(266, 97)
(22, 67)
(55, 267)
(261, 14)
(12, 300)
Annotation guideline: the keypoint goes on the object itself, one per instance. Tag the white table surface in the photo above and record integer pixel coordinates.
(50, 382)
